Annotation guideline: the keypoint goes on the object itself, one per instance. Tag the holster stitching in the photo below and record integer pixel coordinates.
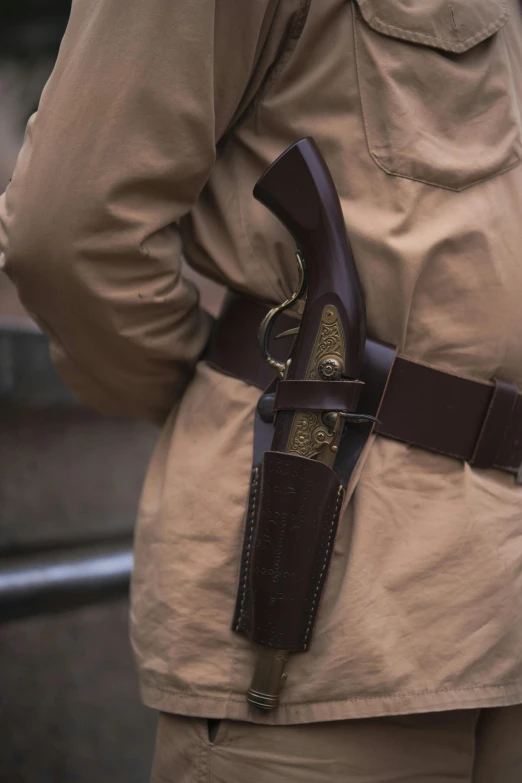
(251, 521)
(325, 565)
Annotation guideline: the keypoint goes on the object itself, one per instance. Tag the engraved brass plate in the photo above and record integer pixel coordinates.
(309, 435)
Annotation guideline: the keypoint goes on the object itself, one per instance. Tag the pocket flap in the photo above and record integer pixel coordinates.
(451, 25)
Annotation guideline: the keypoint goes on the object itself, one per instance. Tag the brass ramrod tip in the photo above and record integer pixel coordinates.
(268, 678)
(262, 701)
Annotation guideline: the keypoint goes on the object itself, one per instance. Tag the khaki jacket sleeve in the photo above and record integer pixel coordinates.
(119, 150)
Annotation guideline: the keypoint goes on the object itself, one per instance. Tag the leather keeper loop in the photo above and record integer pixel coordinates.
(318, 395)
(495, 426)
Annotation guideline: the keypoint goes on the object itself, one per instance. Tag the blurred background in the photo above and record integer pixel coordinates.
(69, 486)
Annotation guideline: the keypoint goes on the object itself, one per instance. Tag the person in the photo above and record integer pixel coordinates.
(156, 123)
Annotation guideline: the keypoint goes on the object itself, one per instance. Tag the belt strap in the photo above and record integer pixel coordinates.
(479, 422)
(317, 395)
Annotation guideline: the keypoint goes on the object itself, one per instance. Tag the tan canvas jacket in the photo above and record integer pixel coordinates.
(155, 125)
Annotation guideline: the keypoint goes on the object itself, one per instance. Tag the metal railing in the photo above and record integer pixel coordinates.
(62, 578)
(50, 578)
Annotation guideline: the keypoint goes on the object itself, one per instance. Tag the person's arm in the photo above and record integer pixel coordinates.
(119, 150)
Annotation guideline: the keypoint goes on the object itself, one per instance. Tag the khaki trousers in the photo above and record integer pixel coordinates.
(464, 746)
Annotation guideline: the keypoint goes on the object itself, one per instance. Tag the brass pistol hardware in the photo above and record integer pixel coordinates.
(288, 333)
(327, 357)
(335, 422)
(299, 306)
(330, 419)
(266, 324)
(330, 369)
(311, 436)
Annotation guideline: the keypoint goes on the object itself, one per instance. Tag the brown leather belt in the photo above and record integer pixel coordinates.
(478, 422)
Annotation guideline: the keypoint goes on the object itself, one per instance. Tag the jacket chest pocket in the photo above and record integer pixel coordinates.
(435, 89)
